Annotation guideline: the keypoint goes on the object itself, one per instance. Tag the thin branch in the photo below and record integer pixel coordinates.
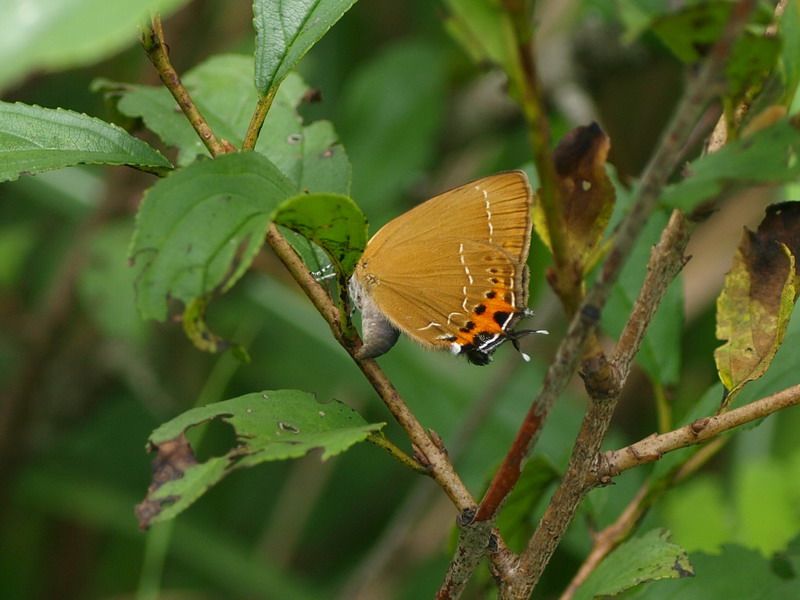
(158, 53)
(380, 560)
(608, 539)
(435, 458)
(382, 442)
(569, 354)
(666, 261)
(472, 546)
(709, 82)
(258, 118)
(652, 448)
(612, 463)
(310, 286)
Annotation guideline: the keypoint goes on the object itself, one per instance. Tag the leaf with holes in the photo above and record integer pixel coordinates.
(271, 425)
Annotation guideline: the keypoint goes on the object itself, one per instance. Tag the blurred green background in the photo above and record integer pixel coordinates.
(85, 380)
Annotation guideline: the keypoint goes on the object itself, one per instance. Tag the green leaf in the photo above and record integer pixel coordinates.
(660, 352)
(648, 557)
(42, 34)
(332, 222)
(160, 114)
(768, 156)
(271, 425)
(222, 88)
(194, 223)
(692, 30)
(35, 139)
(752, 58)
(790, 55)
(285, 31)
(322, 164)
(734, 574)
(484, 30)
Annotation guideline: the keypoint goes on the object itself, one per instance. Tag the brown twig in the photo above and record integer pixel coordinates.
(702, 431)
(158, 53)
(437, 464)
(666, 261)
(708, 83)
(608, 539)
(379, 562)
(652, 448)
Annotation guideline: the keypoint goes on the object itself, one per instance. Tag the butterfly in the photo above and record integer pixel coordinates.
(450, 273)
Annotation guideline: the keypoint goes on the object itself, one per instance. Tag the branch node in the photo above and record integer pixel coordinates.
(437, 441)
(699, 425)
(467, 516)
(600, 377)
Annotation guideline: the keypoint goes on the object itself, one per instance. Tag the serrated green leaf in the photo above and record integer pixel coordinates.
(332, 222)
(222, 88)
(35, 139)
(734, 574)
(768, 156)
(42, 34)
(645, 558)
(285, 31)
(271, 425)
(192, 225)
(160, 114)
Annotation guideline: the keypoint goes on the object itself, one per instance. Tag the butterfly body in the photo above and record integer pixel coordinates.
(450, 273)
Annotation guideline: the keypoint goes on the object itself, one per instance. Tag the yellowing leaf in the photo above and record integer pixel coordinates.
(757, 299)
